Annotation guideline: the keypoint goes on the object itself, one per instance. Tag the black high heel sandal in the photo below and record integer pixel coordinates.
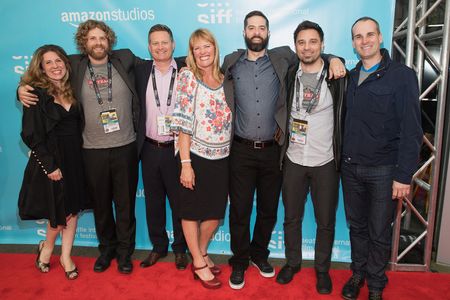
(41, 266)
(70, 275)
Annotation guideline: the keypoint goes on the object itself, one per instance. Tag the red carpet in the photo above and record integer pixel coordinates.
(19, 279)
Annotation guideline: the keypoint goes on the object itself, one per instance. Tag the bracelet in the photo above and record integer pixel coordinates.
(185, 161)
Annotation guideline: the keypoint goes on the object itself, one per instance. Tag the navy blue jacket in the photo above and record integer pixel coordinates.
(382, 121)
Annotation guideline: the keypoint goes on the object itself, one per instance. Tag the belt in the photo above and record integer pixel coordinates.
(254, 144)
(158, 144)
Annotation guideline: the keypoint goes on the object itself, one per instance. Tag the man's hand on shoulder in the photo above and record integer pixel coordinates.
(337, 69)
(25, 96)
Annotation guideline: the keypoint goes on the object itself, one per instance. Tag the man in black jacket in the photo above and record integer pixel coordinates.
(156, 87)
(311, 154)
(382, 138)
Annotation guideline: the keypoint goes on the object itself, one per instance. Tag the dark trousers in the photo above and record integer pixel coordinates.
(250, 170)
(161, 180)
(111, 176)
(370, 211)
(323, 182)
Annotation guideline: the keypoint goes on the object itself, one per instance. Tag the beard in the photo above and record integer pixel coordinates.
(97, 55)
(309, 60)
(256, 47)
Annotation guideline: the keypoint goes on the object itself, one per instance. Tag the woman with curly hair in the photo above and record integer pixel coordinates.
(53, 186)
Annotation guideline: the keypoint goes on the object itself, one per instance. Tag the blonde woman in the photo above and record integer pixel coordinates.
(202, 123)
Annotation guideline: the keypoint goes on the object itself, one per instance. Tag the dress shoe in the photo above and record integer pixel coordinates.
(323, 284)
(209, 284)
(375, 295)
(265, 269)
(152, 258)
(286, 274)
(237, 281)
(125, 266)
(350, 291)
(214, 269)
(102, 263)
(181, 261)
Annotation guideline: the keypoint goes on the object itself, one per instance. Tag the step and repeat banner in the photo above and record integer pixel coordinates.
(27, 24)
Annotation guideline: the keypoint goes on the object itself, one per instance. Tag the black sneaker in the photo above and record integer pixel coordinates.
(375, 295)
(350, 291)
(265, 269)
(236, 281)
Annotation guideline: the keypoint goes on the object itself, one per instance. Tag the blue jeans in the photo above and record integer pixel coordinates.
(370, 211)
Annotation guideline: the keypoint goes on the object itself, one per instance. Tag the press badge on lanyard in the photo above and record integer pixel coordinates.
(108, 118)
(299, 131)
(163, 122)
(164, 125)
(299, 128)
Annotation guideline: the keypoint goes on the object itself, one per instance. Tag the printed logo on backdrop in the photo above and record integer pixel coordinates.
(140, 193)
(134, 14)
(22, 62)
(41, 231)
(214, 12)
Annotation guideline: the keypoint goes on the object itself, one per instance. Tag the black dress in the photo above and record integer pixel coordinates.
(68, 137)
(54, 137)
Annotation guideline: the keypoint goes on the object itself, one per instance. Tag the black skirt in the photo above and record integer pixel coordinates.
(209, 198)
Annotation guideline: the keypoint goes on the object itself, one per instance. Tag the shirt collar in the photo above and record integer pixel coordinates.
(173, 64)
(300, 71)
(245, 56)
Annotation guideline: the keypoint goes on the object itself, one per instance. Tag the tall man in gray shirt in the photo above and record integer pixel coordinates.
(103, 81)
(256, 93)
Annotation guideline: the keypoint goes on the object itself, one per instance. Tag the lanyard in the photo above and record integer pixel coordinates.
(94, 83)
(315, 93)
(155, 89)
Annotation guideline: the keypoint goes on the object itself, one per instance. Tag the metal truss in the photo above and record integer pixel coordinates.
(411, 38)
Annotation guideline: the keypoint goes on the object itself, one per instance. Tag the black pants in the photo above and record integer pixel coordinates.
(250, 170)
(161, 180)
(323, 183)
(111, 176)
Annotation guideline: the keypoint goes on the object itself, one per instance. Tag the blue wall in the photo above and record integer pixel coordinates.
(27, 24)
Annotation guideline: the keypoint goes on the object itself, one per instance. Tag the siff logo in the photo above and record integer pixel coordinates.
(24, 61)
(218, 13)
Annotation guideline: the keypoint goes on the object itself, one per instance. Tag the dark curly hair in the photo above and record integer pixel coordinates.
(85, 27)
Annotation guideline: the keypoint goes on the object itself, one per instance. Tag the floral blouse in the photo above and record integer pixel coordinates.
(202, 113)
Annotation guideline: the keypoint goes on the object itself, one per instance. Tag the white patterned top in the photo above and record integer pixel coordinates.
(202, 113)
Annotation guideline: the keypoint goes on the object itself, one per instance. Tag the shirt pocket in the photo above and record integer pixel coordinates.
(380, 98)
(379, 111)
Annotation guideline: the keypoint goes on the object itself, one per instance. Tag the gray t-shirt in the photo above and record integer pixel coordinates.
(317, 149)
(309, 82)
(94, 136)
(363, 75)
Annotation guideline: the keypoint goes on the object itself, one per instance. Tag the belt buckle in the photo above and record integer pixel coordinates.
(258, 145)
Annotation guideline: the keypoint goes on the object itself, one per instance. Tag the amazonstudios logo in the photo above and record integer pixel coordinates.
(214, 13)
(134, 14)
